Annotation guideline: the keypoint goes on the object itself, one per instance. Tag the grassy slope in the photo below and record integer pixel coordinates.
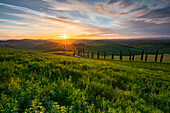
(32, 81)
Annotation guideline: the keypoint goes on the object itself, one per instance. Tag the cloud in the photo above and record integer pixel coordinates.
(157, 13)
(63, 17)
(70, 5)
(45, 23)
(83, 27)
(148, 29)
(21, 24)
(88, 18)
(112, 2)
(140, 9)
(125, 3)
(116, 8)
(136, 10)
(25, 10)
(168, 1)
(157, 16)
(150, 20)
(27, 27)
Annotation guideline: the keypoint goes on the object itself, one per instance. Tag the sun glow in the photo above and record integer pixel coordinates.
(66, 44)
(64, 37)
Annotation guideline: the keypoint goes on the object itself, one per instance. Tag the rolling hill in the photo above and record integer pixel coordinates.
(115, 45)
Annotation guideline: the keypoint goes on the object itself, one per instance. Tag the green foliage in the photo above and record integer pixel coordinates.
(39, 82)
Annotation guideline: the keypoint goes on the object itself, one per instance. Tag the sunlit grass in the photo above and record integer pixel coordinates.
(40, 82)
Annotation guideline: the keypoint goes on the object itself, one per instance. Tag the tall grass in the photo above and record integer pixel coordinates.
(39, 82)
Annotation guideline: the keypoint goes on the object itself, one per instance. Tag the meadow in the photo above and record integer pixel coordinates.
(115, 45)
(150, 57)
(127, 46)
(41, 82)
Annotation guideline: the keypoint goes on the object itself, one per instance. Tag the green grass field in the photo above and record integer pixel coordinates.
(33, 82)
(110, 46)
(150, 58)
(132, 45)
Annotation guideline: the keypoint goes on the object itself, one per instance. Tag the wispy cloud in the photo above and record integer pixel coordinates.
(136, 10)
(92, 19)
(25, 10)
(27, 27)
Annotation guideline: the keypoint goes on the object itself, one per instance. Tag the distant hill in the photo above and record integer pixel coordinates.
(112, 45)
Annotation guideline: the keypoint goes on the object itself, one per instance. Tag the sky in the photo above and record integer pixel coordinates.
(84, 19)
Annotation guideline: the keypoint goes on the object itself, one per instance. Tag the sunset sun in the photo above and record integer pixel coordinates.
(64, 37)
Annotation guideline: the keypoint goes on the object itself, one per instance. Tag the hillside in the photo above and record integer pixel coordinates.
(33, 81)
(115, 45)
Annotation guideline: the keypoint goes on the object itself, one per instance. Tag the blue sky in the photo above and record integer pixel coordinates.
(85, 19)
